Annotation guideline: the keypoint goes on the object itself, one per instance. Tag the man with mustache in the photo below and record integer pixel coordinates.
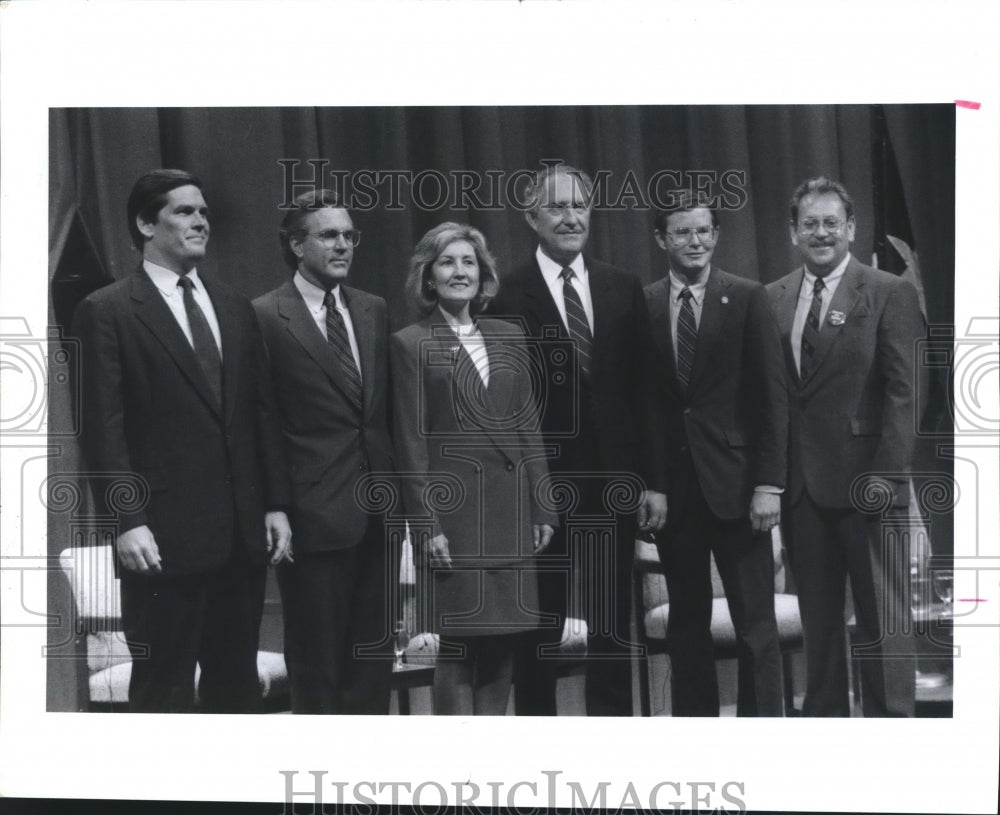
(849, 333)
(726, 415)
(327, 348)
(599, 414)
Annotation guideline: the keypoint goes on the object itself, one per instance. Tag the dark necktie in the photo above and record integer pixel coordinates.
(204, 343)
(687, 336)
(576, 321)
(810, 331)
(336, 335)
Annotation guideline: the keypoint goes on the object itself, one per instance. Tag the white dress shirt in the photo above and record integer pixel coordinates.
(551, 271)
(677, 284)
(473, 343)
(831, 281)
(165, 281)
(313, 296)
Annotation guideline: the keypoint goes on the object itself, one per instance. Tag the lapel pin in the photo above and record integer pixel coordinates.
(836, 318)
(724, 299)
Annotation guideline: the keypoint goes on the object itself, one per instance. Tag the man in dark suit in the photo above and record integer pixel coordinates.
(327, 348)
(725, 409)
(848, 333)
(174, 390)
(599, 411)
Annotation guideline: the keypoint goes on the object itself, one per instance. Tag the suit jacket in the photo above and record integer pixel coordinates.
(616, 411)
(147, 409)
(854, 412)
(331, 442)
(470, 457)
(733, 417)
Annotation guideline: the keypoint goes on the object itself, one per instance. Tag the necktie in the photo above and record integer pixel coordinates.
(205, 348)
(810, 331)
(687, 336)
(336, 335)
(576, 321)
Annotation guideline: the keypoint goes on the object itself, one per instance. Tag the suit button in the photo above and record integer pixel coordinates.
(687, 411)
(684, 448)
(509, 466)
(363, 467)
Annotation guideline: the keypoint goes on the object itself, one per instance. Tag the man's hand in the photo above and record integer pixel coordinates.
(279, 537)
(765, 510)
(652, 511)
(437, 550)
(542, 534)
(138, 552)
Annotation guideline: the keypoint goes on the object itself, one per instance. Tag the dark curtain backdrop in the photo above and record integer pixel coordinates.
(96, 155)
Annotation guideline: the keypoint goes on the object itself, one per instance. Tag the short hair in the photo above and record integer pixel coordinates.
(148, 196)
(820, 186)
(292, 225)
(430, 248)
(536, 187)
(683, 201)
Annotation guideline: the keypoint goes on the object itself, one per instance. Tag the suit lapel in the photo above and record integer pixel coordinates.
(540, 303)
(662, 326)
(230, 331)
(844, 300)
(714, 313)
(364, 334)
(152, 312)
(601, 294)
(784, 311)
(303, 328)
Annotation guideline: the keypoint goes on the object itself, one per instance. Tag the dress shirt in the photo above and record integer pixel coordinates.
(831, 281)
(677, 284)
(552, 272)
(473, 343)
(313, 296)
(165, 281)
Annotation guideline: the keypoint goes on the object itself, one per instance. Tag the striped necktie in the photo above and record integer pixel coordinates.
(687, 336)
(205, 348)
(576, 321)
(810, 331)
(336, 335)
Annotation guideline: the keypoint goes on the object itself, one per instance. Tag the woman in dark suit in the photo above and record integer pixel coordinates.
(472, 465)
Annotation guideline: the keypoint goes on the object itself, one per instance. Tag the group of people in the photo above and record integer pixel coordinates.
(533, 424)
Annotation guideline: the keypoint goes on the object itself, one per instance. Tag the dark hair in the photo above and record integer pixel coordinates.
(292, 224)
(430, 248)
(148, 196)
(683, 201)
(819, 186)
(536, 187)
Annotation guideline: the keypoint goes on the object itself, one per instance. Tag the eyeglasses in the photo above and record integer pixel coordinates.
(329, 237)
(808, 226)
(683, 235)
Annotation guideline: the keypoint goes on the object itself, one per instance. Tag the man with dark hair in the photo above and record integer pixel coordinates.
(328, 355)
(725, 410)
(599, 412)
(849, 333)
(174, 390)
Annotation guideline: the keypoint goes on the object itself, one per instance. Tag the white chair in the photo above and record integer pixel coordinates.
(97, 605)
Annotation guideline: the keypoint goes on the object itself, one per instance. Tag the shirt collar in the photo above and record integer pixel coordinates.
(551, 270)
(314, 295)
(831, 280)
(166, 279)
(455, 325)
(677, 284)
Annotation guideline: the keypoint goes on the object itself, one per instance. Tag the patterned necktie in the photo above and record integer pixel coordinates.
(205, 348)
(336, 335)
(687, 336)
(810, 331)
(576, 321)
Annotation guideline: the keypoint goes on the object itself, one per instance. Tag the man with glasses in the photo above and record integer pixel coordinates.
(726, 416)
(849, 334)
(327, 349)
